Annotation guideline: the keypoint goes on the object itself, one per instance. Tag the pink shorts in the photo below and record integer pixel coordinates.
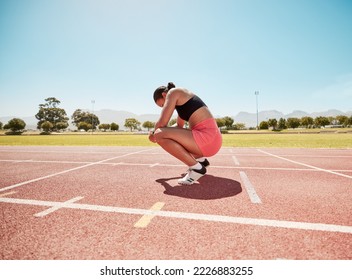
(208, 137)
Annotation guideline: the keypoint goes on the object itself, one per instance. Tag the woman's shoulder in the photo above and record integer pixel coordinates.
(180, 93)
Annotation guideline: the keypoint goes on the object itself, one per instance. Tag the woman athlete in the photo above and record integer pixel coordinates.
(191, 146)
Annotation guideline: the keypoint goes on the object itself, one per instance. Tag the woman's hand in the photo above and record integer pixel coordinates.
(152, 136)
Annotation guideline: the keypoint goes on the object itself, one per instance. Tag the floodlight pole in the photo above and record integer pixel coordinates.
(93, 102)
(256, 97)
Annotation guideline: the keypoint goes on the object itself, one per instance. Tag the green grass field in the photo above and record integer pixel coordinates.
(303, 140)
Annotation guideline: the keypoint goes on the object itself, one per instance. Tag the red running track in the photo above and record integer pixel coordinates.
(124, 203)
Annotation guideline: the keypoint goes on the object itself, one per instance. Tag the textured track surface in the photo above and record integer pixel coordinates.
(124, 203)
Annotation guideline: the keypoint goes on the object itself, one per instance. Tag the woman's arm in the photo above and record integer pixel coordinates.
(168, 108)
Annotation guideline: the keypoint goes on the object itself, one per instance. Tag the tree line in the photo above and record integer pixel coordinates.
(52, 118)
(282, 123)
(306, 122)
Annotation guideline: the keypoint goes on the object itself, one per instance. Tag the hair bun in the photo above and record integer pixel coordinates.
(170, 85)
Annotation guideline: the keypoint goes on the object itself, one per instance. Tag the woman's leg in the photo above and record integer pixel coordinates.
(178, 142)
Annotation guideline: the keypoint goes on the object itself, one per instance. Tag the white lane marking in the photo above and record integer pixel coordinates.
(249, 188)
(179, 165)
(153, 165)
(66, 171)
(235, 160)
(46, 161)
(307, 165)
(146, 219)
(225, 152)
(110, 151)
(55, 208)
(23, 160)
(185, 215)
(8, 193)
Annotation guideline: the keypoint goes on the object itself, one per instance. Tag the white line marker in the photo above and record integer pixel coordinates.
(22, 160)
(307, 165)
(235, 160)
(146, 219)
(189, 216)
(55, 208)
(179, 165)
(66, 171)
(47, 161)
(153, 165)
(249, 188)
(8, 193)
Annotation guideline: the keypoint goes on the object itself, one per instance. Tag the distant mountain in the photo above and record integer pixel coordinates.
(249, 119)
(297, 114)
(329, 113)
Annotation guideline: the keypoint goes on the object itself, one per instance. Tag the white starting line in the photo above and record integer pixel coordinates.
(154, 212)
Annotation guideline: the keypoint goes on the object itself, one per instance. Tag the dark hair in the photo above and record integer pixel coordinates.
(158, 93)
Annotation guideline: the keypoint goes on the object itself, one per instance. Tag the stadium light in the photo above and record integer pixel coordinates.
(256, 97)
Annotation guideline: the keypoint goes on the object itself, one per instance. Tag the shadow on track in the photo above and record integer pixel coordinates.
(209, 187)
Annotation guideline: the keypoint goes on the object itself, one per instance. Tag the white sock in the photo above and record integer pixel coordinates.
(197, 166)
(201, 159)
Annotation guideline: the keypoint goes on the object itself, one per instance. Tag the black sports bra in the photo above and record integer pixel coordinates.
(186, 110)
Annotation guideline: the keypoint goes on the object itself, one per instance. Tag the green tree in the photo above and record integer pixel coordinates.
(342, 120)
(272, 123)
(148, 124)
(0, 125)
(264, 125)
(332, 120)
(16, 125)
(349, 121)
(62, 125)
(307, 122)
(321, 121)
(293, 122)
(104, 126)
(47, 126)
(228, 121)
(85, 126)
(114, 126)
(282, 124)
(81, 116)
(172, 122)
(239, 126)
(132, 123)
(220, 122)
(50, 112)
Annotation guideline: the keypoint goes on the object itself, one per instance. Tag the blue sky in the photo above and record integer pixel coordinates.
(296, 53)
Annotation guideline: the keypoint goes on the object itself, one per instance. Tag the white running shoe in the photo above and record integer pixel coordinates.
(192, 176)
